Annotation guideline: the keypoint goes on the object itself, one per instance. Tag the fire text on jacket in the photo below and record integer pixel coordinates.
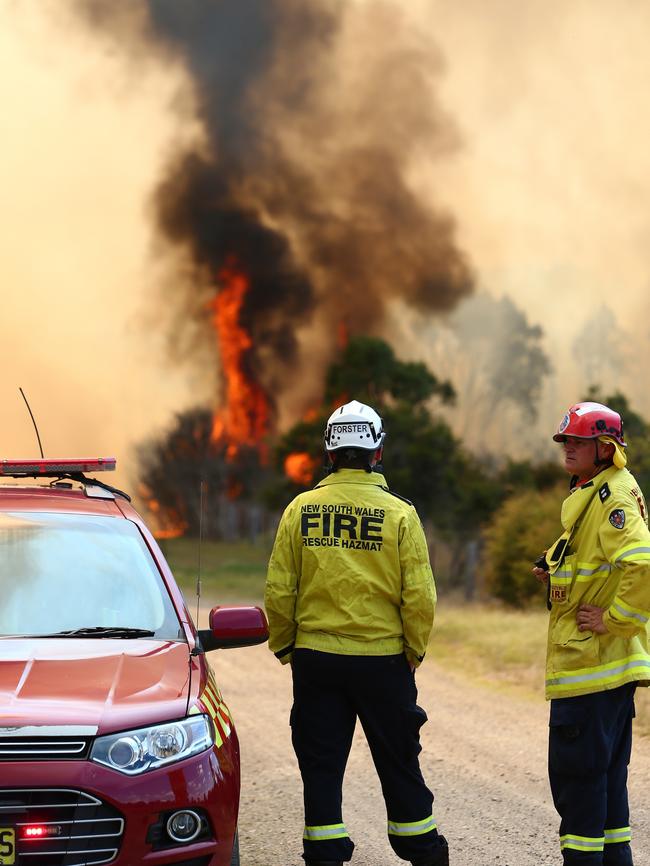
(347, 526)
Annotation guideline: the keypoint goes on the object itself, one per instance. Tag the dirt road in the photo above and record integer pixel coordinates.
(484, 756)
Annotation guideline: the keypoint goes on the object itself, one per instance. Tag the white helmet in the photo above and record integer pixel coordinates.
(354, 425)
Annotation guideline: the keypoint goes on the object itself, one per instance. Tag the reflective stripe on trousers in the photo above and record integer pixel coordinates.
(622, 834)
(327, 831)
(412, 828)
(582, 843)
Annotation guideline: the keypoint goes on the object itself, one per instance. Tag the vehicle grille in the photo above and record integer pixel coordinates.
(44, 748)
(87, 830)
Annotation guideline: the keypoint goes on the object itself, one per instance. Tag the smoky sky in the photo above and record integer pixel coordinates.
(312, 113)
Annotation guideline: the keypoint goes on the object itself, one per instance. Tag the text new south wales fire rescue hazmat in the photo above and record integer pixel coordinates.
(347, 526)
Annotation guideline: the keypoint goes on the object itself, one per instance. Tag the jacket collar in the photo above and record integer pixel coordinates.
(353, 476)
(580, 497)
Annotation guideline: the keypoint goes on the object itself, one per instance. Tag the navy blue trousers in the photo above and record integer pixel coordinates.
(590, 740)
(330, 692)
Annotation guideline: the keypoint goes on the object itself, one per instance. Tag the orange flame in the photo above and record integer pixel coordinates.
(300, 467)
(171, 532)
(245, 417)
(234, 488)
(170, 524)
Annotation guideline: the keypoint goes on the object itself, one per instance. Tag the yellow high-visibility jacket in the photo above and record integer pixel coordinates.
(350, 573)
(603, 558)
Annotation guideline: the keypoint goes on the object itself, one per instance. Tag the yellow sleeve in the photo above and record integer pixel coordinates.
(282, 589)
(627, 549)
(418, 589)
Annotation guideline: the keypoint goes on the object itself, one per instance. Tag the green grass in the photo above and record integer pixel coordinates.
(491, 644)
(229, 571)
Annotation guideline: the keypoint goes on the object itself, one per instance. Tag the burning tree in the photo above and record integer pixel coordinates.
(173, 467)
(247, 477)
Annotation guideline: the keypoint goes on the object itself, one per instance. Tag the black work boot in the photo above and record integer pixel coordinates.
(438, 857)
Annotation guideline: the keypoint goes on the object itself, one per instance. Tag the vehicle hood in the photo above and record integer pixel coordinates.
(111, 684)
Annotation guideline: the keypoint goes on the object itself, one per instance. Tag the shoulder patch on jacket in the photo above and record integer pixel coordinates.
(397, 495)
(617, 518)
(604, 492)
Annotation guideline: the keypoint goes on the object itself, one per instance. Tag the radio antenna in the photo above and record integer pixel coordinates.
(31, 415)
(198, 576)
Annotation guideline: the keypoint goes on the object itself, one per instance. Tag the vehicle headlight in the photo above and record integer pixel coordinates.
(134, 752)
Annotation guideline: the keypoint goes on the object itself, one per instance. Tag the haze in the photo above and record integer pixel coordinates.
(549, 187)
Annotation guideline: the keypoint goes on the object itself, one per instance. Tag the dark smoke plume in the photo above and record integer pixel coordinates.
(314, 112)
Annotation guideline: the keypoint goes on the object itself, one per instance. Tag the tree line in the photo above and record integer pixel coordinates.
(488, 517)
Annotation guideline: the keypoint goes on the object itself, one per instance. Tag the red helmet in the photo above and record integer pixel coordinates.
(589, 421)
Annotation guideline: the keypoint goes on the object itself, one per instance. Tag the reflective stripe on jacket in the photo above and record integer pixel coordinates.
(603, 559)
(350, 573)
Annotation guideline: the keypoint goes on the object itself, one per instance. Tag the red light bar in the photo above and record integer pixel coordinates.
(35, 468)
(40, 831)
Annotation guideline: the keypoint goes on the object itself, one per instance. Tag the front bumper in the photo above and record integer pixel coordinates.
(208, 783)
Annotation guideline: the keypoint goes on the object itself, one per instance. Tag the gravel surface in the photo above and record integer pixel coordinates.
(484, 756)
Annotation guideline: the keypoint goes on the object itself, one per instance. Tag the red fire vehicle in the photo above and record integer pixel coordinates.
(116, 745)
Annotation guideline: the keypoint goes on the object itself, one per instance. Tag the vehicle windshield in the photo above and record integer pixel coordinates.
(63, 572)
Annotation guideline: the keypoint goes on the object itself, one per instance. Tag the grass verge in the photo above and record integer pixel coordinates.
(491, 644)
(504, 649)
(229, 571)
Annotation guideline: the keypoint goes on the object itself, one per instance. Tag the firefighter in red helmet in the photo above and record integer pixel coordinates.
(598, 579)
(350, 598)
(600, 425)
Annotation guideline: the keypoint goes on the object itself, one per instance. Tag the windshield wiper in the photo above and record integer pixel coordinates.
(101, 631)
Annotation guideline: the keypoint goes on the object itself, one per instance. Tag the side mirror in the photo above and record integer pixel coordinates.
(234, 627)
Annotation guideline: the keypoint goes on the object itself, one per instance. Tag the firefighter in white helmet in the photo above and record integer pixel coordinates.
(598, 578)
(350, 598)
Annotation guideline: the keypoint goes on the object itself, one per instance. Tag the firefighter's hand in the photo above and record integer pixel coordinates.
(541, 575)
(590, 618)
